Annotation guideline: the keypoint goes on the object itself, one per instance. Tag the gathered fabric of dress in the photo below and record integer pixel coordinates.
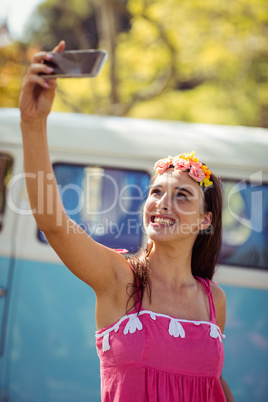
(152, 357)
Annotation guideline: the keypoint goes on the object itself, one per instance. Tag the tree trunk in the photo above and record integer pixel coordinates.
(107, 28)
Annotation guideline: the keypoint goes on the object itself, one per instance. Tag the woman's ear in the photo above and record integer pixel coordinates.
(206, 221)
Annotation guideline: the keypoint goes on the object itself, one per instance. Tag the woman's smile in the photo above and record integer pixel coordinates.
(161, 220)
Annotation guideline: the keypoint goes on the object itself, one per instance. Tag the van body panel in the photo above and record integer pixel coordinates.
(51, 348)
(246, 343)
(224, 146)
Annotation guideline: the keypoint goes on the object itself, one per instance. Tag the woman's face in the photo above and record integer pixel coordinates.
(175, 208)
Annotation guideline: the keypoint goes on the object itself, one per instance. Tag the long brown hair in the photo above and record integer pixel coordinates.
(205, 252)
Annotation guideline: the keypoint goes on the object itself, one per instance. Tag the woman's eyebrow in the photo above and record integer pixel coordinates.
(184, 189)
(155, 186)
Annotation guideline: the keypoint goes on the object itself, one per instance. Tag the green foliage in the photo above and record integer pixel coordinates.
(174, 59)
(13, 63)
(58, 19)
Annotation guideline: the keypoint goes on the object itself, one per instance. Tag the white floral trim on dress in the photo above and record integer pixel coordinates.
(175, 327)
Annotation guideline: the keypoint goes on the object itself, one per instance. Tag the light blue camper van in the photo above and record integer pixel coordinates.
(47, 327)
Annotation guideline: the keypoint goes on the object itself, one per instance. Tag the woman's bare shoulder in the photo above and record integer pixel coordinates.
(217, 293)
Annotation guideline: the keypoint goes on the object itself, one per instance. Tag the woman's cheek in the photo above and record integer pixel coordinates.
(185, 209)
(149, 204)
(181, 206)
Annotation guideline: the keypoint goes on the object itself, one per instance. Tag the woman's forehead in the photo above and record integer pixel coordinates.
(175, 177)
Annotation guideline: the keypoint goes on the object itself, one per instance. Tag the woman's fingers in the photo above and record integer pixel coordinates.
(40, 68)
(41, 56)
(60, 47)
(36, 79)
(37, 75)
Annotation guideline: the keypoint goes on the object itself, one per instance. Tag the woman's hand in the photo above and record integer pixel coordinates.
(37, 92)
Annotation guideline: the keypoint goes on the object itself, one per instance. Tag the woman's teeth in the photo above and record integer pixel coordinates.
(164, 221)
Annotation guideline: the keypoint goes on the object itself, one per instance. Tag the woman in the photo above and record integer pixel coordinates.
(160, 323)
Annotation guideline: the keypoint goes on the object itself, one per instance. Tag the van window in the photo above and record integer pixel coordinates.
(106, 202)
(5, 174)
(245, 224)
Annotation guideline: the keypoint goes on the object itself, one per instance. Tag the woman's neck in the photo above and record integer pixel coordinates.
(171, 264)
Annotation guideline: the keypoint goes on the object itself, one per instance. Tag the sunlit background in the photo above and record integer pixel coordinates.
(177, 60)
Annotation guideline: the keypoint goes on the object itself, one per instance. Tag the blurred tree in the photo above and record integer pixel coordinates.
(179, 59)
(220, 57)
(14, 59)
(83, 25)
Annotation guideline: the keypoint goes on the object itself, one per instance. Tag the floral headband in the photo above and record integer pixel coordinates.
(186, 162)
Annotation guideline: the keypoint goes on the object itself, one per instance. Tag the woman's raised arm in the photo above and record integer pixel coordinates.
(99, 266)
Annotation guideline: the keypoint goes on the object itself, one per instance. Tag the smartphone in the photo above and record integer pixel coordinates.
(76, 63)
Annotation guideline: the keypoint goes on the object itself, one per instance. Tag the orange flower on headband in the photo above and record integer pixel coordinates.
(186, 162)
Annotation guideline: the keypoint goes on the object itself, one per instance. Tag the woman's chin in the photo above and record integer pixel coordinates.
(160, 232)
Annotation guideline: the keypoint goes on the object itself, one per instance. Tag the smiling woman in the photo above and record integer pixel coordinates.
(182, 219)
(164, 344)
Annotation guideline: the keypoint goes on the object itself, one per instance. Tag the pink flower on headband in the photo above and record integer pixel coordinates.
(163, 164)
(181, 164)
(196, 172)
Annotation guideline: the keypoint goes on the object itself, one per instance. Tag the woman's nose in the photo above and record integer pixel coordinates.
(162, 204)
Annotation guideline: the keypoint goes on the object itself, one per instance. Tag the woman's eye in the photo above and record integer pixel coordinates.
(182, 196)
(155, 191)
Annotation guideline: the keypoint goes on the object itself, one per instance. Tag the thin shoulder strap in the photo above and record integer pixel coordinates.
(206, 283)
(137, 301)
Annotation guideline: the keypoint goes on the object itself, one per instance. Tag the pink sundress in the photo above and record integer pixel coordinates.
(151, 357)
